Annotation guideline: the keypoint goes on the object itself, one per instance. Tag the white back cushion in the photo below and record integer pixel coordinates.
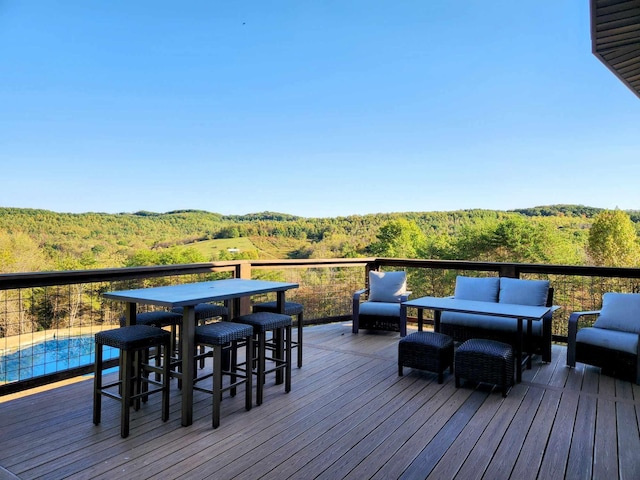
(479, 289)
(620, 311)
(524, 292)
(387, 286)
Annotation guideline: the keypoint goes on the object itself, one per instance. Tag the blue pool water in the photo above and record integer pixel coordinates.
(50, 356)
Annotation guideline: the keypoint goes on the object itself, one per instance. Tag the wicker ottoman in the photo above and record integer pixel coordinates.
(426, 351)
(485, 361)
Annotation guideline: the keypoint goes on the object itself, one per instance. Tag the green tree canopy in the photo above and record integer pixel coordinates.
(399, 239)
(613, 240)
(515, 239)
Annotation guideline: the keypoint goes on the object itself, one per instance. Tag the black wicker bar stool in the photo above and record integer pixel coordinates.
(430, 351)
(485, 361)
(279, 345)
(162, 319)
(133, 384)
(222, 336)
(292, 309)
(206, 311)
(203, 313)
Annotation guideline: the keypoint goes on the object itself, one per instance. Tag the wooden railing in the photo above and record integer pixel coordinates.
(40, 306)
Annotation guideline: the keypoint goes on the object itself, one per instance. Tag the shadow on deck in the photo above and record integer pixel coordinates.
(349, 415)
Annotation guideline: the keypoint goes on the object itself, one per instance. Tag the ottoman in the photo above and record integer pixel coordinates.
(430, 351)
(485, 361)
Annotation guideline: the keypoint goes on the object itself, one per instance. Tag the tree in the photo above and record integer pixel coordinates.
(613, 241)
(19, 253)
(516, 239)
(399, 239)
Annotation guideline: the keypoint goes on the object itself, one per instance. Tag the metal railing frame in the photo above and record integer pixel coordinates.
(246, 268)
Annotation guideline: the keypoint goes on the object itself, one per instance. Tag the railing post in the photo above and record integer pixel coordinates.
(508, 271)
(367, 269)
(243, 270)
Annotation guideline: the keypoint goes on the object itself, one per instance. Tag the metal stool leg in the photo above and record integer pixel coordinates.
(299, 339)
(97, 386)
(127, 383)
(287, 384)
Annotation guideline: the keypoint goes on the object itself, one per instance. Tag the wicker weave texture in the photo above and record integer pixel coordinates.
(485, 361)
(612, 362)
(221, 333)
(205, 311)
(429, 351)
(265, 321)
(290, 308)
(379, 322)
(132, 337)
(159, 318)
(462, 333)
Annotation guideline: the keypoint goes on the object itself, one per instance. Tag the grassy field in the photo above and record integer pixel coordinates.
(211, 248)
(277, 247)
(267, 247)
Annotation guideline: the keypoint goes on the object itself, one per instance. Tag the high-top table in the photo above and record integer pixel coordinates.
(519, 312)
(188, 296)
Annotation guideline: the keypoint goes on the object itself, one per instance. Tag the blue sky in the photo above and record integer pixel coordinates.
(314, 108)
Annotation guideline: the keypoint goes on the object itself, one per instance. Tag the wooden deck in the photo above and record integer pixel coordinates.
(348, 415)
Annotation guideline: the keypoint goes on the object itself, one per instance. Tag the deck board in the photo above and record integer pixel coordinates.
(349, 415)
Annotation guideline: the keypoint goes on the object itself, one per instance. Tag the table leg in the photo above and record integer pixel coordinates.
(436, 320)
(280, 300)
(528, 340)
(403, 312)
(130, 313)
(188, 352)
(277, 337)
(518, 352)
(420, 318)
(130, 309)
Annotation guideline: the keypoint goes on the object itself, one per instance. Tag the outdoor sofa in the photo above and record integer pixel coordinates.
(465, 326)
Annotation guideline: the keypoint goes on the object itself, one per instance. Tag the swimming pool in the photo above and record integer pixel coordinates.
(50, 356)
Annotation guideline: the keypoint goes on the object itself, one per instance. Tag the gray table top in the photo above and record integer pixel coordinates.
(451, 304)
(190, 294)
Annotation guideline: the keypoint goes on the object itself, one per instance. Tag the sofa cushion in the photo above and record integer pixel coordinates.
(524, 292)
(476, 288)
(488, 322)
(611, 339)
(620, 311)
(380, 309)
(387, 286)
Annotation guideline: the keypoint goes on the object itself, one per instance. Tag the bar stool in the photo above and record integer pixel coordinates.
(292, 309)
(222, 336)
(162, 319)
(204, 312)
(279, 345)
(134, 343)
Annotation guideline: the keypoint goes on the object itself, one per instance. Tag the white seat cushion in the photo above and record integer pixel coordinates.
(611, 339)
(489, 322)
(380, 309)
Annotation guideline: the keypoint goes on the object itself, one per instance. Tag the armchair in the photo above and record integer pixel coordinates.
(381, 310)
(612, 342)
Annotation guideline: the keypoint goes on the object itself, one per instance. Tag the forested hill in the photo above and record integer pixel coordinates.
(33, 239)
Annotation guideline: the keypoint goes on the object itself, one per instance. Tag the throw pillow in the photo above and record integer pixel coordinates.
(620, 311)
(524, 292)
(475, 288)
(387, 286)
